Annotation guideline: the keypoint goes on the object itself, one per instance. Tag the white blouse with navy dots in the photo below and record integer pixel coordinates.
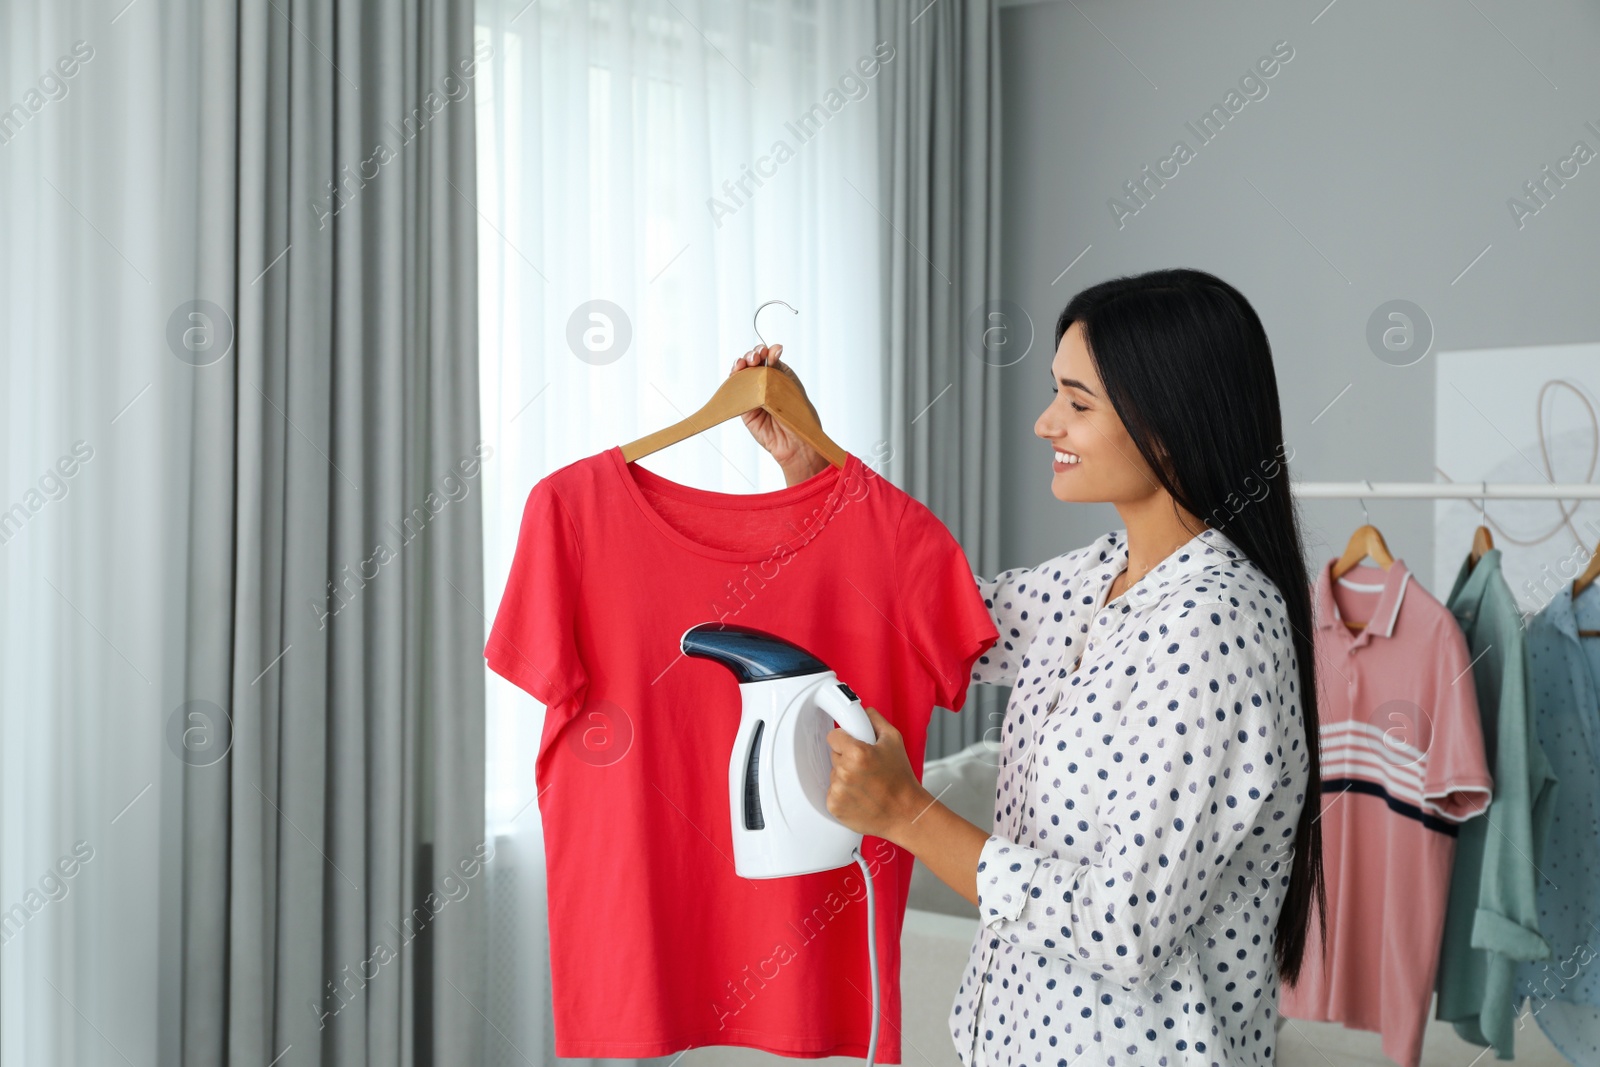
(1144, 817)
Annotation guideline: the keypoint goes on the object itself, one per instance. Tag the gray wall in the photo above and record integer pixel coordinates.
(1377, 166)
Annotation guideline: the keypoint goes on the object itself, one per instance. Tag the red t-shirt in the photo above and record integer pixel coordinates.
(656, 944)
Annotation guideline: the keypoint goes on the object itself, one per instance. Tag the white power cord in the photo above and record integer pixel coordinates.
(872, 955)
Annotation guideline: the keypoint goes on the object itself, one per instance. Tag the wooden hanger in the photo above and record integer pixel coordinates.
(754, 387)
(1482, 538)
(1584, 581)
(1482, 544)
(1365, 542)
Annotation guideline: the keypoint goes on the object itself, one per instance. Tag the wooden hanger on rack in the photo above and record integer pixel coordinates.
(1482, 544)
(754, 387)
(1482, 538)
(1584, 581)
(1364, 543)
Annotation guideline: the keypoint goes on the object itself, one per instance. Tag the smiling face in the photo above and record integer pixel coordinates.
(1095, 460)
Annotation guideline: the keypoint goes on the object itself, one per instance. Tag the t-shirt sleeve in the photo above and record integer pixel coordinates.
(1456, 784)
(941, 611)
(533, 642)
(1507, 918)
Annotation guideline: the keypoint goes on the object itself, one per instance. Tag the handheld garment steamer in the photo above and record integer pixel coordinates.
(781, 765)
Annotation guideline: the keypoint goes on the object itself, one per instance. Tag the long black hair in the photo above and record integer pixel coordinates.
(1188, 369)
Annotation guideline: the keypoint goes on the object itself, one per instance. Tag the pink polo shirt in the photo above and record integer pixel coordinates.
(1402, 766)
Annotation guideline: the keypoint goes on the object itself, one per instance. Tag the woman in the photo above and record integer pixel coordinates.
(1150, 871)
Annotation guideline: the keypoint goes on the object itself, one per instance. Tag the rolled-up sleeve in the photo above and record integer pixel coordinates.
(1005, 878)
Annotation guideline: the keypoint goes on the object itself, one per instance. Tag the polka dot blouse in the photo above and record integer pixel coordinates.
(1152, 773)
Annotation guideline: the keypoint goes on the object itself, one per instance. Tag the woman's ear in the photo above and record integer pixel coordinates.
(1163, 463)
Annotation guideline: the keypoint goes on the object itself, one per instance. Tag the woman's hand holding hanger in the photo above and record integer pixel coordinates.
(796, 456)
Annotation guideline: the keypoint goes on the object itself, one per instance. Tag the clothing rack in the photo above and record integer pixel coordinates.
(1447, 490)
(1483, 491)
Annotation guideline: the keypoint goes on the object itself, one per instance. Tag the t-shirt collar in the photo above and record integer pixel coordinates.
(1395, 580)
(1563, 614)
(1471, 584)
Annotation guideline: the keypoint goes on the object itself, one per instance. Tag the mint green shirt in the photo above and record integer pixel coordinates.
(1492, 920)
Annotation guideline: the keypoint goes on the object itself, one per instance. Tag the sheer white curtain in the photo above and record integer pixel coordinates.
(99, 225)
(681, 162)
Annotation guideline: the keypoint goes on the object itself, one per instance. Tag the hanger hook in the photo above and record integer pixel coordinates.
(754, 319)
(1483, 505)
(1366, 519)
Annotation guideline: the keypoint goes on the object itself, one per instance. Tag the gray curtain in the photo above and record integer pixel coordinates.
(329, 841)
(940, 195)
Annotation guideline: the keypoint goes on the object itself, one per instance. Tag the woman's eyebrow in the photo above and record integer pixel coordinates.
(1073, 383)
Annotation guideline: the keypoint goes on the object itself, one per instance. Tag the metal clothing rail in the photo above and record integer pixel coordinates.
(1446, 490)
